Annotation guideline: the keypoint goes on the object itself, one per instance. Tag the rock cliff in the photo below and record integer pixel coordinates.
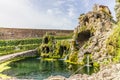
(95, 34)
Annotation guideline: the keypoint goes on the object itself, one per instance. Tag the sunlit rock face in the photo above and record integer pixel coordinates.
(93, 33)
(117, 10)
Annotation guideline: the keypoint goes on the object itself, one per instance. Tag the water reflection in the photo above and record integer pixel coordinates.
(38, 69)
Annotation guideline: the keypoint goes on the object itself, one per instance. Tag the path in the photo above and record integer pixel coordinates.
(29, 53)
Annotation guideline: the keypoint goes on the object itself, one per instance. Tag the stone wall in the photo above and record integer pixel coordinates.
(12, 33)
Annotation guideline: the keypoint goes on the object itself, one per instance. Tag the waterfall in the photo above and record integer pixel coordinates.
(65, 58)
(88, 64)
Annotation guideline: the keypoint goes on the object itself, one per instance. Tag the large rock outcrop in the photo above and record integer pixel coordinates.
(94, 32)
(97, 35)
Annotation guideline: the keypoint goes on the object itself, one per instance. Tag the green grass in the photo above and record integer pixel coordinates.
(63, 37)
(13, 49)
(19, 45)
(20, 42)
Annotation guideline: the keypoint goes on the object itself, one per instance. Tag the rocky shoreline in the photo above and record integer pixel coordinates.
(110, 72)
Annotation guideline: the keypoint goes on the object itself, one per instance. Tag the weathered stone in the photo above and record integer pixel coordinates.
(117, 9)
(56, 78)
(94, 29)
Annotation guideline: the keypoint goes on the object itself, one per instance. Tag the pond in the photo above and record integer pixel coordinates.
(38, 69)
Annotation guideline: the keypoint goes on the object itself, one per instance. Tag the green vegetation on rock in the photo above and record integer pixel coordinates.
(53, 48)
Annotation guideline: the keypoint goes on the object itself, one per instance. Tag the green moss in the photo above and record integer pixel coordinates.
(4, 66)
(113, 41)
(117, 0)
(52, 48)
(96, 64)
(86, 44)
(48, 59)
(44, 55)
(83, 28)
(47, 38)
(113, 44)
(73, 57)
(62, 48)
(68, 61)
(111, 50)
(116, 59)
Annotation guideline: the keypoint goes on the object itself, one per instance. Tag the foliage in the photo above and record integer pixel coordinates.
(117, 0)
(113, 44)
(53, 48)
(19, 45)
(117, 55)
(63, 37)
(20, 42)
(73, 56)
(62, 48)
(3, 67)
(12, 49)
(112, 41)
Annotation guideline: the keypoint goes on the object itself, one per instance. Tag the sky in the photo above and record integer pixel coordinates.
(46, 14)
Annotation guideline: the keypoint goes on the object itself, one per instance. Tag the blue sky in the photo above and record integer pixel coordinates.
(46, 14)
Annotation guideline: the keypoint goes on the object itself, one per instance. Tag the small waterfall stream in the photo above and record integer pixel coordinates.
(88, 64)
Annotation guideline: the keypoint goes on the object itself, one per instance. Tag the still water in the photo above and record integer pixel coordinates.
(38, 69)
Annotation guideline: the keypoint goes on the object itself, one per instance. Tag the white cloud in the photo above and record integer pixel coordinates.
(59, 2)
(49, 11)
(20, 13)
(71, 12)
(57, 14)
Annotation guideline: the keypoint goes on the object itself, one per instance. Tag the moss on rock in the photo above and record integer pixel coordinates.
(51, 48)
(73, 57)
